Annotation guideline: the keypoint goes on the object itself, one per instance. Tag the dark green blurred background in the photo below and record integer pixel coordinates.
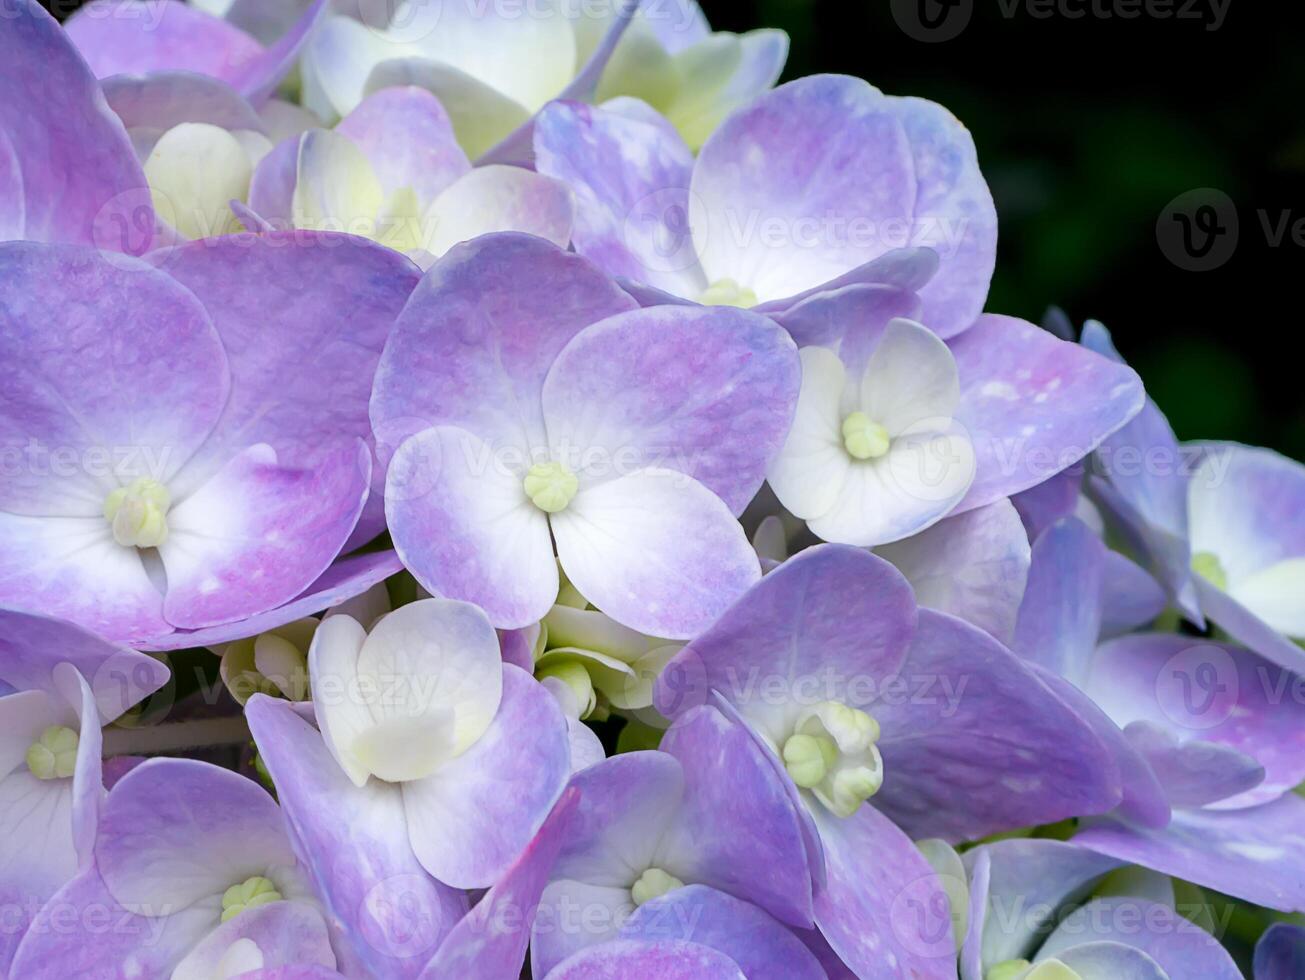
(1087, 129)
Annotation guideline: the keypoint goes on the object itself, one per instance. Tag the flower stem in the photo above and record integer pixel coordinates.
(176, 736)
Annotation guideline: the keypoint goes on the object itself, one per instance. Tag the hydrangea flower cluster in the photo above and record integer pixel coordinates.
(502, 489)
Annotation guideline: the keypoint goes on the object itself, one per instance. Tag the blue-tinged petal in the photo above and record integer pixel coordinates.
(1280, 953)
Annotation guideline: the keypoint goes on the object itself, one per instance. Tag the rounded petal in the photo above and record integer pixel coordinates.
(284, 933)
(1280, 953)
(707, 392)
(496, 199)
(812, 467)
(464, 527)
(151, 104)
(1034, 405)
(68, 172)
(827, 625)
(910, 379)
(666, 961)
(408, 139)
(656, 551)
(150, 822)
(630, 176)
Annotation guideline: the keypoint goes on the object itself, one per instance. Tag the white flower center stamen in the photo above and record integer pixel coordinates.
(863, 438)
(551, 487)
(249, 894)
(138, 513)
(832, 753)
(54, 754)
(727, 292)
(653, 883)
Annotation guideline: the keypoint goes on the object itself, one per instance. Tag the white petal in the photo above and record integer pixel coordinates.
(496, 198)
(336, 189)
(194, 171)
(911, 379)
(1277, 596)
(812, 467)
(341, 712)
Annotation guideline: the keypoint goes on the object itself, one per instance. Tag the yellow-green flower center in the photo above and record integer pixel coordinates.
(138, 513)
(573, 674)
(54, 754)
(1207, 565)
(1023, 970)
(249, 894)
(653, 883)
(551, 487)
(727, 292)
(864, 438)
(832, 753)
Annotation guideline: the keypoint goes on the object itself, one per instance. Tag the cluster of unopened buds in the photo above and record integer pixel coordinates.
(504, 487)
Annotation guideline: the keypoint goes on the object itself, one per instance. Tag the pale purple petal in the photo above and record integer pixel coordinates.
(151, 104)
(953, 214)
(1280, 953)
(727, 773)
(706, 392)
(656, 551)
(494, 199)
(390, 914)
(630, 177)
(286, 933)
(475, 342)
(1198, 690)
(346, 579)
(1181, 948)
(470, 820)
(883, 909)
(985, 747)
(37, 851)
(68, 172)
(827, 162)
(272, 188)
(665, 961)
(1130, 597)
(408, 139)
(973, 566)
(1196, 772)
(1042, 505)
(464, 527)
(1034, 405)
(854, 315)
(833, 614)
(490, 941)
(1060, 617)
(149, 824)
(761, 946)
(258, 532)
(1256, 854)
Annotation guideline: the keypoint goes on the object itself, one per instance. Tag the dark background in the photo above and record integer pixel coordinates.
(1088, 128)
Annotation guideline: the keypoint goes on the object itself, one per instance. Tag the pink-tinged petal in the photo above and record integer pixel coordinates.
(490, 941)
(471, 820)
(346, 579)
(33, 645)
(1198, 690)
(630, 177)
(761, 946)
(68, 172)
(1195, 772)
(390, 914)
(149, 824)
(128, 37)
(1060, 617)
(464, 527)
(295, 972)
(123, 377)
(259, 532)
(834, 617)
(953, 214)
(1280, 953)
(286, 934)
(149, 105)
(656, 551)
(615, 399)
(802, 186)
(69, 936)
(1256, 854)
(727, 773)
(495, 199)
(303, 347)
(1018, 888)
(1034, 405)
(408, 139)
(973, 566)
(474, 343)
(883, 909)
(665, 961)
(1179, 947)
(985, 746)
